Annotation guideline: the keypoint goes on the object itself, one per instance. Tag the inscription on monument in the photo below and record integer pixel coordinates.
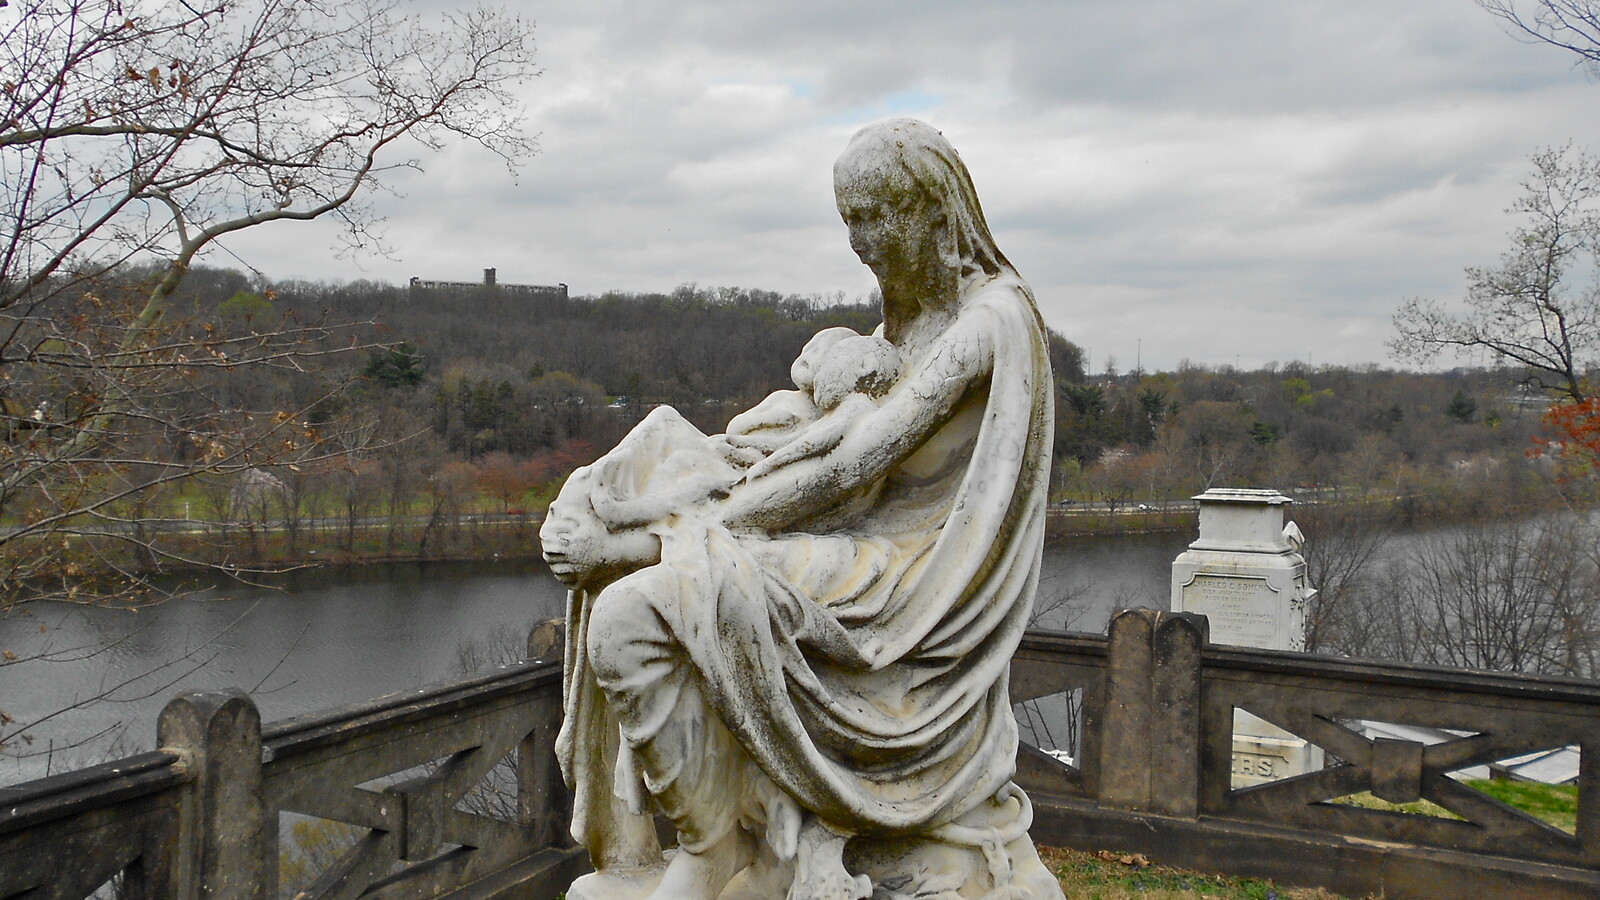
(1255, 768)
(1242, 609)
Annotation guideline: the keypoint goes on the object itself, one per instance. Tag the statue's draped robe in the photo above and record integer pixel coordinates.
(863, 669)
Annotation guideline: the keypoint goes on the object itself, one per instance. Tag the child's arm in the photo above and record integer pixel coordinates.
(818, 437)
(780, 409)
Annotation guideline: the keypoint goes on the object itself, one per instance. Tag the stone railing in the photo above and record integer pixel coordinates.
(451, 791)
(447, 791)
(1157, 757)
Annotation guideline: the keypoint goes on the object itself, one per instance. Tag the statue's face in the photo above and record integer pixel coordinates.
(579, 549)
(893, 223)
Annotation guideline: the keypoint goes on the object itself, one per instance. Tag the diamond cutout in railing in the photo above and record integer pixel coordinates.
(1053, 724)
(495, 794)
(1541, 784)
(1051, 729)
(384, 782)
(309, 847)
(1264, 752)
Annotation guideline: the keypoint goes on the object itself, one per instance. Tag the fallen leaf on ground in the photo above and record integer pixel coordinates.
(1127, 859)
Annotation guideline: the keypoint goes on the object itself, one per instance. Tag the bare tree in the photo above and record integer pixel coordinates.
(1569, 24)
(1522, 310)
(1343, 540)
(1519, 596)
(135, 136)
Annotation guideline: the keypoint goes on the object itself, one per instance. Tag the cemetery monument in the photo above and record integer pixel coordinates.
(1245, 573)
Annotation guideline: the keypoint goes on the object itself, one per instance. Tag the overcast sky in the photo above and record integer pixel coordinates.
(1233, 181)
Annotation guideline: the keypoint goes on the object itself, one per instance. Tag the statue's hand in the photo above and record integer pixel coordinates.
(789, 453)
(761, 442)
(737, 451)
(814, 441)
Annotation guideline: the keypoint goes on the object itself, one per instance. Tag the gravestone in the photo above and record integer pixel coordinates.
(1246, 575)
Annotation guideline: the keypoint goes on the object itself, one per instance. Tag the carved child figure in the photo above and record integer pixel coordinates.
(596, 529)
(840, 375)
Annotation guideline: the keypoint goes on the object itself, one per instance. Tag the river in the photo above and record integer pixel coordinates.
(319, 638)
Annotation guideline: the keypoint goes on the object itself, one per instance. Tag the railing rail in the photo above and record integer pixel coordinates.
(66, 835)
(452, 790)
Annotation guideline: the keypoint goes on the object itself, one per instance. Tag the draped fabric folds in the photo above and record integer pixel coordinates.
(861, 668)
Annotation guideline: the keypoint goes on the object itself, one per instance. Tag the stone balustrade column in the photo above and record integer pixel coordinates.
(225, 850)
(1150, 745)
(542, 796)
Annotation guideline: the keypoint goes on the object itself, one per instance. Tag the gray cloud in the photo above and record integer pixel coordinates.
(1222, 180)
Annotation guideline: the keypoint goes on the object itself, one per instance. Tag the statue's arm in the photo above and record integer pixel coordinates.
(911, 413)
(818, 437)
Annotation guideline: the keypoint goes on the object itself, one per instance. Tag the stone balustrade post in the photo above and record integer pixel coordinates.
(542, 796)
(1150, 748)
(226, 851)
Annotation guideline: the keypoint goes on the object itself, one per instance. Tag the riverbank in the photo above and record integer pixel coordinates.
(185, 544)
(191, 544)
(256, 547)
(1061, 524)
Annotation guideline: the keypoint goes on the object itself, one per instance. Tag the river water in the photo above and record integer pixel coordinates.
(320, 638)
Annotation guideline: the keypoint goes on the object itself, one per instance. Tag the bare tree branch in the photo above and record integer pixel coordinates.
(135, 135)
(1523, 310)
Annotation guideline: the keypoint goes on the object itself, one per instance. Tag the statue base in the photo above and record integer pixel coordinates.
(615, 884)
(985, 855)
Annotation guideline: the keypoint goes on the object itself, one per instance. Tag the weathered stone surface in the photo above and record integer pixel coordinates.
(1242, 573)
(793, 640)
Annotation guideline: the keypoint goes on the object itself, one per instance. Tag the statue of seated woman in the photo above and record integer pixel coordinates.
(793, 641)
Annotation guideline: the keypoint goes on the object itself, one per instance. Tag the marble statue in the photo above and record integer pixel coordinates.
(793, 640)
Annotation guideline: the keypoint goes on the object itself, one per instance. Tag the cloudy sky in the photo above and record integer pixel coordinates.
(1230, 181)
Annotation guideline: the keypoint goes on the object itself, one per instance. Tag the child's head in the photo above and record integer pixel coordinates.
(804, 369)
(859, 364)
(580, 548)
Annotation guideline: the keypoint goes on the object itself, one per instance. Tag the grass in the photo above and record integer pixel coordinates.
(1365, 800)
(1556, 804)
(1553, 804)
(1107, 875)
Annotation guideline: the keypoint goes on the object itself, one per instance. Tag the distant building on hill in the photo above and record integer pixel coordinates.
(490, 282)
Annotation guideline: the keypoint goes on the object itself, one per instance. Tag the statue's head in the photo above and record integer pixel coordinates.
(804, 369)
(859, 364)
(909, 201)
(582, 549)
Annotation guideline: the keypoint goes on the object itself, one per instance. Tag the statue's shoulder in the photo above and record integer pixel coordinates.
(1002, 292)
(1002, 302)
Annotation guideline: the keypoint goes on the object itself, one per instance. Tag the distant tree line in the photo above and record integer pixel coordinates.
(486, 400)
(483, 372)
